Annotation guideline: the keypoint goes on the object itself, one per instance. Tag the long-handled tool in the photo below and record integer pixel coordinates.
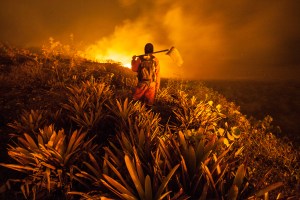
(173, 53)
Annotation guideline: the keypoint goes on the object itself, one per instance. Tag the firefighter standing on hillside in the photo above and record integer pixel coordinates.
(147, 67)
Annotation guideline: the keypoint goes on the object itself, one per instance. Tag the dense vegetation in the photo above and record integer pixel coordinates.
(258, 98)
(70, 130)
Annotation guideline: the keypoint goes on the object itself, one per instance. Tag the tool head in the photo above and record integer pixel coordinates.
(175, 56)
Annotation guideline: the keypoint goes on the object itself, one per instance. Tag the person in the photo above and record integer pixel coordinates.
(148, 69)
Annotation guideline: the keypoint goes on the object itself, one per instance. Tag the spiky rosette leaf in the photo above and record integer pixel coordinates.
(49, 158)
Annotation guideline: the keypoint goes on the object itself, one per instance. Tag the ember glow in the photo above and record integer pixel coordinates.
(109, 56)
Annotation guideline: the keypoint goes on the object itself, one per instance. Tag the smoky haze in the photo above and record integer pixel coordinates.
(216, 39)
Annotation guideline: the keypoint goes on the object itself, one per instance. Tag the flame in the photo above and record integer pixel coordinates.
(123, 57)
(129, 39)
(114, 57)
(109, 50)
(109, 56)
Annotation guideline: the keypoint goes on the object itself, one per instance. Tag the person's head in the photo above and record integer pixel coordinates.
(148, 48)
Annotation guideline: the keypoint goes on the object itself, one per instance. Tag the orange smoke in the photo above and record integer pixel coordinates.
(216, 41)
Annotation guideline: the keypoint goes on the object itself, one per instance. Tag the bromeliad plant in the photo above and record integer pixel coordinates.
(135, 127)
(136, 163)
(135, 182)
(192, 114)
(123, 112)
(208, 168)
(85, 103)
(30, 121)
(126, 113)
(127, 181)
(202, 117)
(130, 168)
(205, 171)
(48, 160)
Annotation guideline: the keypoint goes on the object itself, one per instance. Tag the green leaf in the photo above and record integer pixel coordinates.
(79, 141)
(134, 177)
(116, 149)
(60, 135)
(200, 151)
(118, 175)
(211, 145)
(83, 194)
(31, 142)
(184, 172)
(23, 191)
(233, 192)
(117, 185)
(221, 131)
(164, 151)
(226, 142)
(219, 159)
(95, 163)
(204, 191)
(52, 139)
(191, 160)
(164, 195)
(205, 168)
(235, 131)
(48, 165)
(40, 140)
(230, 137)
(165, 182)
(239, 151)
(112, 156)
(85, 175)
(20, 168)
(127, 197)
(141, 137)
(60, 146)
(126, 145)
(71, 142)
(268, 189)
(239, 177)
(182, 140)
(139, 168)
(111, 188)
(68, 156)
(148, 188)
(47, 173)
(95, 171)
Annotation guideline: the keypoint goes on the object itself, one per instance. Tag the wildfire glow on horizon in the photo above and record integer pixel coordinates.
(113, 57)
(217, 40)
(120, 53)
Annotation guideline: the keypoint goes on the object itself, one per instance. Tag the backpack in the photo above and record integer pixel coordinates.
(146, 71)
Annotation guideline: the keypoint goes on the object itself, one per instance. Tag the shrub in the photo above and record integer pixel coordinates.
(85, 103)
(48, 159)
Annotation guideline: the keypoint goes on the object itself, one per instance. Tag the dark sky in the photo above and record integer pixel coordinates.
(216, 39)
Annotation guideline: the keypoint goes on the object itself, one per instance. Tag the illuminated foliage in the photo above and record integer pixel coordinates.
(85, 103)
(48, 159)
(192, 144)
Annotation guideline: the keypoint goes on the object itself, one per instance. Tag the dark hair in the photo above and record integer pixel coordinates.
(149, 48)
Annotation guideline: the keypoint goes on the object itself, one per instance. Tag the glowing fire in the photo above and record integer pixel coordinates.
(116, 57)
(109, 55)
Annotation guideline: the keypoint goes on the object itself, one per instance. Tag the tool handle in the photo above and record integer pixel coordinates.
(154, 52)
